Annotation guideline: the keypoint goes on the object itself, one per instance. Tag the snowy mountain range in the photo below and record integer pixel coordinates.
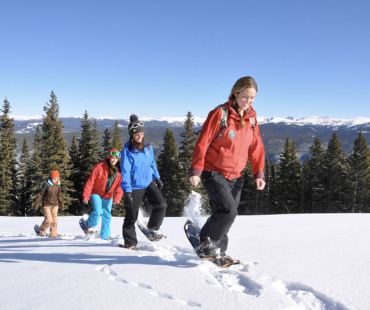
(27, 124)
(274, 130)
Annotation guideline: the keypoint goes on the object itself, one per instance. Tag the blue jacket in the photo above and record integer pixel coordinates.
(138, 169)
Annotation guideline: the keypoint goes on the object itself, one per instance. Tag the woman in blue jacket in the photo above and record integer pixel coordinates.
(140, 178)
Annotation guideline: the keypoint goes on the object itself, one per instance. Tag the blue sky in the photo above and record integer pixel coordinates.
(160, 58)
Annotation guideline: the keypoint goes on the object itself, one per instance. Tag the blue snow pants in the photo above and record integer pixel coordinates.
(101, 208)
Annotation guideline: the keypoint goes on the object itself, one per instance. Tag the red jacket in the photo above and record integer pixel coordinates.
(97, 182)
(229, 154)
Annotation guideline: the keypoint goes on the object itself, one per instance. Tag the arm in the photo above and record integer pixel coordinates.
(154, 165)
(89, 185)
(60, 198)
(209, 130)
(257, 158)
(126, 170)
(118, 192)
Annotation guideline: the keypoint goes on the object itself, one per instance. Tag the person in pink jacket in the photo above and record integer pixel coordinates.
(103, 189)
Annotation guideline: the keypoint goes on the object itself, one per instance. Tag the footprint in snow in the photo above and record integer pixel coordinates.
(150, 290)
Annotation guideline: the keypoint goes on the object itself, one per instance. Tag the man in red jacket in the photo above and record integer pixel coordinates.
(218, 161)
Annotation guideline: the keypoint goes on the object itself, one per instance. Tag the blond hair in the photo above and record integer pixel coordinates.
(239, 86)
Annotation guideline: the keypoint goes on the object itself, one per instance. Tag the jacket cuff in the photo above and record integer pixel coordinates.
(259, 175)
(194, 171)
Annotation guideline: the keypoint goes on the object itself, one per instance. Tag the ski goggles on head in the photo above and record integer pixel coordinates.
(136, 125)
(115, 153)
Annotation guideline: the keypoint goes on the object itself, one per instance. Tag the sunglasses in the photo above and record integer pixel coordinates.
(115, 153)
(136, 125)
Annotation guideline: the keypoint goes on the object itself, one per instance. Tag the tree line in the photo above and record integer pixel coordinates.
(328, 180)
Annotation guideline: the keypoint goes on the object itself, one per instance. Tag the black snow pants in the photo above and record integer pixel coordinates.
(224, 197)
(156, 200)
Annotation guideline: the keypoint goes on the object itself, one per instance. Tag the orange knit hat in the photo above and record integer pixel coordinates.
(54, 174)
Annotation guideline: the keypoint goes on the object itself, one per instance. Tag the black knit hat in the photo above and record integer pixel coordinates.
(135, 125)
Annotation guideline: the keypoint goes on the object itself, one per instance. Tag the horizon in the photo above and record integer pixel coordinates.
(201, 119)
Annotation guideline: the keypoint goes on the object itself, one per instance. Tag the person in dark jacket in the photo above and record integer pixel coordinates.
(103, 189)
(51, 197)
(218, 161)
(140, 178)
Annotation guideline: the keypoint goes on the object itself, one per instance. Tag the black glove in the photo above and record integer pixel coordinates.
(128, 200)
(159, 184)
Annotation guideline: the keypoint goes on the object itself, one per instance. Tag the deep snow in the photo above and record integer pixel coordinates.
(316, 261)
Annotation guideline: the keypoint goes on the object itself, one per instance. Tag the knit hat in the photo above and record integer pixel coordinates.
(135, 125)
(114, 152)
(54, 174)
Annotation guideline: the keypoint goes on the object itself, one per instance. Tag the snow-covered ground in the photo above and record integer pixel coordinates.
(317, 261)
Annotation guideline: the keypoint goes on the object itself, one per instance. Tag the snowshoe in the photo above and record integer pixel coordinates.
(152, 235)
(86, 229)
(132, 247)
(37, 231)
(225, 261)
(207, 249)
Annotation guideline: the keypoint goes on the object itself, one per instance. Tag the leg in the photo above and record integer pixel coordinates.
(224, 197)
(47, 219)
(159, 205)
(132, 212)
(54, 223)
(97, 212)
(106, 218)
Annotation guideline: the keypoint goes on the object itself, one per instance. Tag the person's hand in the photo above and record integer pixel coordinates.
(194, 179)
(159, 184)
(85, 202)
(260, 184)
(128, 199)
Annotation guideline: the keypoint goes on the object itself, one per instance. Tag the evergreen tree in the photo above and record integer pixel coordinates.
(289, 175)
(359, 161)
(107, 144)
(117, 143)
(313, 178)
(24, 182)
(187, 144)
(54, 153)
(336, 185)
(269, 202)
(74, 157)
(8, 172)
(88, 156)
(168, 167)
(249, 196)
(116, 137)
(34, 172)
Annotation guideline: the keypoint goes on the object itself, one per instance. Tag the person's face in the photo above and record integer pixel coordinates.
(245, 98)
(55, 180)
(113, 160)
(138, 137)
